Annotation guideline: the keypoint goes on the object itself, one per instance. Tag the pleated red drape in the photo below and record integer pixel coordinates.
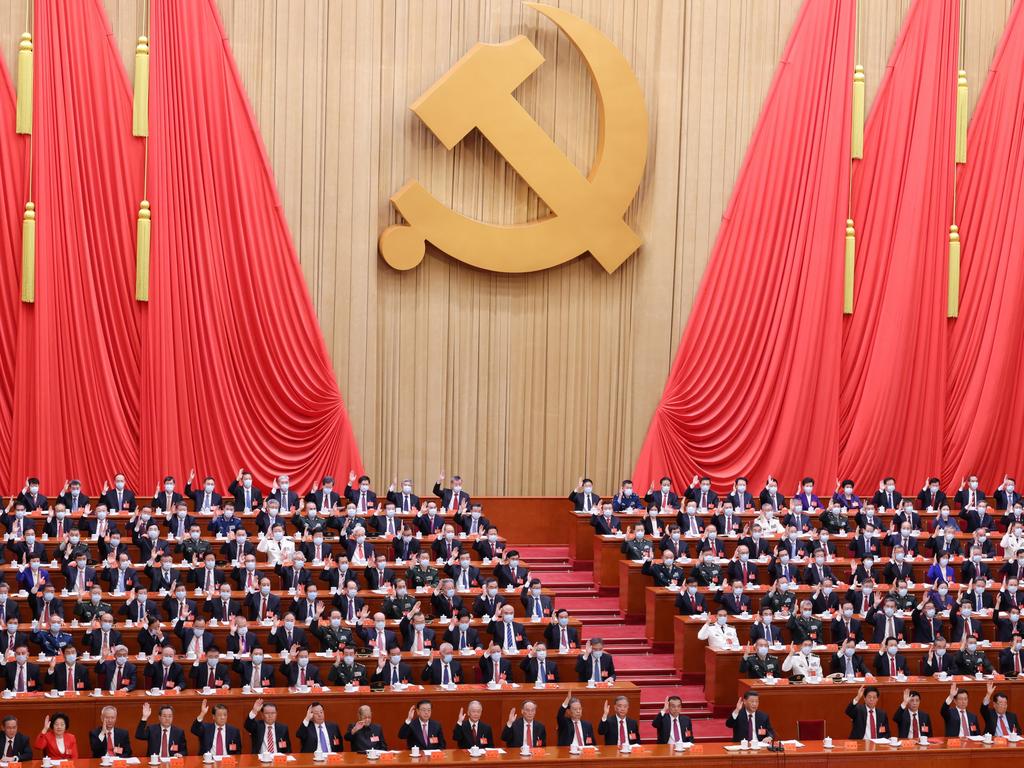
(12, 181)
(76, 383)
(985, 405)
(894, 344)
(235, 371)
(755, 382)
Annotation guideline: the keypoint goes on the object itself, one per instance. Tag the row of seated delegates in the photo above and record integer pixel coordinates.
(836, 513)
(267, 735)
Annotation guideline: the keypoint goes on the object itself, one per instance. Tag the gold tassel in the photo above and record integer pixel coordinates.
(142, 252)
(28, 254)
(953, 297)
(140, 112)
(961, 116)
(851, 243)
(23, 120)
(857, 135)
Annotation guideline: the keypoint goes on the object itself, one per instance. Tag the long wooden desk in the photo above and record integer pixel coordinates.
(811, 755)
(786, 702)
(722, 668)
(660, 611)
(389, 707)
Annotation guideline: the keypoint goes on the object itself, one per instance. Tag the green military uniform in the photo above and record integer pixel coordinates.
(637, 549)
(396, 607)
(664, 575)
(332, 639)
(418, 576)
(87, 610)
(198, 548)
(707, 574)
(969, 663)
(343, 674)
(778, 600)
(802, 628)
(754, 666)
(834, 521)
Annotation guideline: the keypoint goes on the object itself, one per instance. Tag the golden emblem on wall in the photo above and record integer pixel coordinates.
(586, 211)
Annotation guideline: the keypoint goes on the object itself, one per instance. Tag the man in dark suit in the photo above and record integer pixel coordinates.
(583, 497)
(281, 492)
(68, 675)
(931, 497)
(998, 721)
(460, 633)
(470, 731)
(452, 497)
(108, 739)
(120, 497)
(664, 498)
(494, 668)
(287, 633)
(256, 671)
(444, 669)
(700, 492)
(210, 673)
(419, 730)
(268, 736)
(869, 722)
(163, 738)
(572, 728)
(14, 746)
(299, 672)
(1011, 659)
(403, 498)
(911, 722)
(391, 669)
(164, 672)
(537, 668)
(887, 497)
(595, 663)
(959, 722)
(219, 737)
(846, 662)
(968, 497)
(364, 734)
(771, 495)
(558, 634)
(168, 498)
(206, 497)
(524, 729)
(118, 674)
(22, 676)
(671, 724)
(247, 495)
(357, 491)
(30, 496)
(619, 728)
(689, 601)
(464, 573)
(748, 722)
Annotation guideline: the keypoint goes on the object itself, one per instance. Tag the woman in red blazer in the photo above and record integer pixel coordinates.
(56, 741)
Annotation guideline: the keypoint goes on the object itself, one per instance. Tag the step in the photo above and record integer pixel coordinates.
(530, 551)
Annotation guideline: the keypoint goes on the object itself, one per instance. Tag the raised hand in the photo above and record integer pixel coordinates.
(147, 710)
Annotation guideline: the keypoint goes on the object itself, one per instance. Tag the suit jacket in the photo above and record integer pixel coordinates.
(128, 501)
(412, 733)
(690, 605)
(400, 502)
(580, 503)
(156, 677)
(609, 728)
(279, 638)
(553, 636)
(858, 713)
(904, 721)
(584, 667)
(238, 491)
(206, 733)
(268, 678)
(122, 743)
(333, 499)
(151, 734)
(160, 501)
(198, 496)
(254, 602)
(215, 608)
(951, 717)
(58, 681)
(445, 495)
(843, 628)
(530, 669)
(992, 720)
(309, 741)
(202, 676)
(129, 678)
(368, 737)
(513, 735)
(944, 664)
(838, 664)
(741, 725)
(927, 499)
(884, 669)
(463, 735)
(454, 636)
(33, 502)
(433, 672)
(385, 675)
(658, 500)
(257, 731)
(32, 676)
(567, 730)
(288, 500)
(94, 640)
(291, 673)
(22, 747)
(1006, 666)
(486, 670)
(664, 726)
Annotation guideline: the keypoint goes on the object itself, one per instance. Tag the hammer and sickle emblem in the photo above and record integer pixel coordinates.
(587, 211)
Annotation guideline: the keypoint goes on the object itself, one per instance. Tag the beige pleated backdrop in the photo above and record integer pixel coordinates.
(520, 383)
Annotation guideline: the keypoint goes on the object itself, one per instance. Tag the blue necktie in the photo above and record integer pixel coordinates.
(508, 636)
(324, 747)
(444, 676)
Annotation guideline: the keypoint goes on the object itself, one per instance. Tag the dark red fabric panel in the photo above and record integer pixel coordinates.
(755, 382)
(985, 405)
(13, 158)
(892, 402)
(235, 371)
(76, 385)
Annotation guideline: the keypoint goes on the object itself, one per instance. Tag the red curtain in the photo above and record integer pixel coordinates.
(894, 344)
(235, 371)
(76, 383)
(12, 181)
(985, 405)
(755, 382)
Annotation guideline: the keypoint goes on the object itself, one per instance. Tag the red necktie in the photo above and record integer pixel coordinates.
(622, 731)
(1002, 725)
(270, 738)
(915, 729)
(965, 729)
(71, 679)
(871, 724)
(892, 666)
(110, 742)
(220, 742)
(579, 734)
(164, 746)
(676, 736)
(302, 676)
(529, 734)
(263, 608)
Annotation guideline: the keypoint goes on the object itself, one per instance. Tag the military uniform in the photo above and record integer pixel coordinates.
(664, 575)
(756, 667)
(198, 548)
(834, 521)
(778, 600)
(637, 549)
(343, 674)
(332, 639)
(970, 663)
(802, 628)
(418, 576)
(905, 603)
(396, 607)
(87, 610)
(707, 574)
